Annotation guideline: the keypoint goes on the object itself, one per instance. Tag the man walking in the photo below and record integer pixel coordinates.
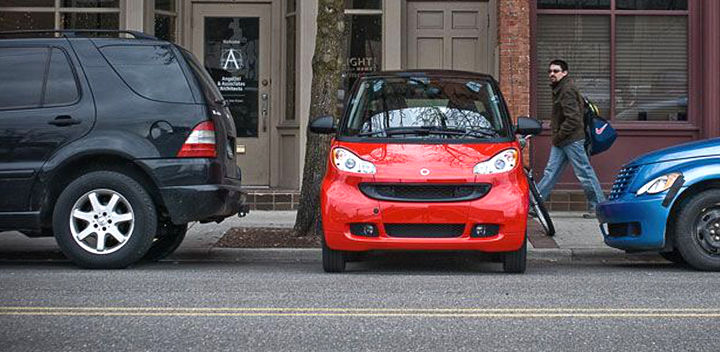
(568, 137)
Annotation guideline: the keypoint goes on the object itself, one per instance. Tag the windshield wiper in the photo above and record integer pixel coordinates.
(462, 133)
(370, 133)
(481, 132)
(428, 130)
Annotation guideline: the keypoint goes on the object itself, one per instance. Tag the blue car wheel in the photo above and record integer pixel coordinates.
(697, 230)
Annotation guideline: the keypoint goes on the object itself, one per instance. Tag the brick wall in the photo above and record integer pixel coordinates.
(514, 46)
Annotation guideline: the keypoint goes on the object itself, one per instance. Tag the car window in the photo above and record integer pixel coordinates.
(151, 71)
(61, 84)
(203, 77)
(22, 71)
(425, 107)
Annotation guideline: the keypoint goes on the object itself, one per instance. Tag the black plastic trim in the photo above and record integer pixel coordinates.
(371, 190)
(674, 189)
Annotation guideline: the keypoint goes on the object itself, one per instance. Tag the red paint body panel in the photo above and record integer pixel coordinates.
(343, 203)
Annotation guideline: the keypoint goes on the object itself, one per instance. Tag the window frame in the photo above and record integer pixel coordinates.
(693, 14)
(151, 11)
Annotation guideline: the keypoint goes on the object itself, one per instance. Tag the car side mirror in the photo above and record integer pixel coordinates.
(528, 126)
(323, 125)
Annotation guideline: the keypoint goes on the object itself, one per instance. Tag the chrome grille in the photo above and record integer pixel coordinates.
(622, 181)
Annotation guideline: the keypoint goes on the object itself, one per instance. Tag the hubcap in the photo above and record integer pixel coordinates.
(707, 230)
(101, 221)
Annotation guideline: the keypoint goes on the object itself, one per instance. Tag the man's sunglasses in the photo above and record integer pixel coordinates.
(554, 71)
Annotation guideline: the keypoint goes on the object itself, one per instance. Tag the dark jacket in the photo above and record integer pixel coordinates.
(566, 121)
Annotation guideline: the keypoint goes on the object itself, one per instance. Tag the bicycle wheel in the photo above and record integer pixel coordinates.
(543, 217)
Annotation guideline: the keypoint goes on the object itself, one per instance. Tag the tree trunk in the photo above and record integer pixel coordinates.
(327, 68)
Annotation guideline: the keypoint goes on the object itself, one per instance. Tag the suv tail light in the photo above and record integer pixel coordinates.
(200, 143)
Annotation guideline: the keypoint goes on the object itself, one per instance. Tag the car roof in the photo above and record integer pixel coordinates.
(430, 73)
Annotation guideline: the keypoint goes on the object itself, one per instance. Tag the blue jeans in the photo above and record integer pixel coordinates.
(575, 153)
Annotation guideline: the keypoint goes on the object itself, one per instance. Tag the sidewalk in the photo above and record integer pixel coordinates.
(577, 239)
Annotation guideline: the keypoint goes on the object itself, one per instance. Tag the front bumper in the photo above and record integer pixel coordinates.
(634, 223)
(344, 204)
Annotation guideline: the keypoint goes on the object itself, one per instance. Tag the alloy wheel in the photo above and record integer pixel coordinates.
(102, 221)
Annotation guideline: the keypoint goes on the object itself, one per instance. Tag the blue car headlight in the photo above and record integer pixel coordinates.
(659, 184)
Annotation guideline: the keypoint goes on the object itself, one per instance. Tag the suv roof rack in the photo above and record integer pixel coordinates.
(73, 33)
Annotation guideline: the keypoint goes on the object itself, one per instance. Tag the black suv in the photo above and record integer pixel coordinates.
(111, 144)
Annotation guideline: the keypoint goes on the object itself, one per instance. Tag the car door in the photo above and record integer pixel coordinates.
(41, 109)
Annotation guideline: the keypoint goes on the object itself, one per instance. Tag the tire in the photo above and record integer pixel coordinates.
(104, 220)
(673, 256)
(543, 217)
(697, 230)
(515, 262)
(333, 261)
(168, 238)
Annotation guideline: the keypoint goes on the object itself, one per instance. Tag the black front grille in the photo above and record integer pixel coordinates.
(424, 230)
(622, 180)
(424, 192)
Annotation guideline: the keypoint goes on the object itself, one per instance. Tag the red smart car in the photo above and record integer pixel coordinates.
(425, 160)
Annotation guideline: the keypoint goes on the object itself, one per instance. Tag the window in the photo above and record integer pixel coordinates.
(165, 19)
(426, 106)
(587, 51)
(646, 80)
(59, 14)
(651, 70)
(151, 71)
(22, 72)
(290, 62)
(363, 23)
(61, 84)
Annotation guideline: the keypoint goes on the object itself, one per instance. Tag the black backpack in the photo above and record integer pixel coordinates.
(599, 134)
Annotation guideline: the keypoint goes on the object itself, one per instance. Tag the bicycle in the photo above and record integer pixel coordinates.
(536, 201)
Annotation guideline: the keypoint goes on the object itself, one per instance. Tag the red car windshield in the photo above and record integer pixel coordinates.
(426, 108)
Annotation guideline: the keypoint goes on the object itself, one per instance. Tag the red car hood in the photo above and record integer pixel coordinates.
(425, 162)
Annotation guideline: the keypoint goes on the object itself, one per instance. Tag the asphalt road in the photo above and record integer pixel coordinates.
(406, 302)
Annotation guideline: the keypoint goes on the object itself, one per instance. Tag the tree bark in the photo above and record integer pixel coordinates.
(327, 68)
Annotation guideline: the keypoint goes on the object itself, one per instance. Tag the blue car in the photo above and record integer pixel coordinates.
(668, 201)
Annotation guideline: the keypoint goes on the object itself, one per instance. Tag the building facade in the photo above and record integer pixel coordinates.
(651, 65)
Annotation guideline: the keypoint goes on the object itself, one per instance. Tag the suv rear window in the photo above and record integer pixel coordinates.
(206, 82)
(152, 71)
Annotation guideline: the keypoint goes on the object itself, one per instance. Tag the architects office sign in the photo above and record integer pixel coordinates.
(231, 57)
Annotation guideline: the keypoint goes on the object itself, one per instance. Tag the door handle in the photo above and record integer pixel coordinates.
(64, 120)
(264, 110)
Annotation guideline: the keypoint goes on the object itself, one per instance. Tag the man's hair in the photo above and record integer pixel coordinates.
(563, 65)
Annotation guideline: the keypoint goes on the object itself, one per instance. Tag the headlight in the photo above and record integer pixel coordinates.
(501, 162)
(659, 184)
(347, 161)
